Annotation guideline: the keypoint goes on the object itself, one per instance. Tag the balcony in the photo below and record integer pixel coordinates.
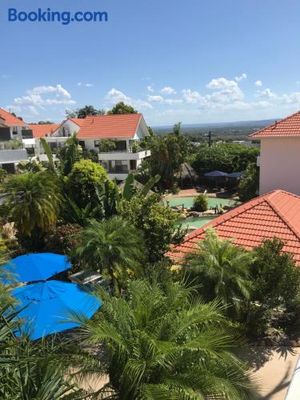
(123, 155)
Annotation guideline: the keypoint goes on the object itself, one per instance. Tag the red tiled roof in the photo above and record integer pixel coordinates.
(109, 126)
(289, 126)
(274, 214)
(78, 121)
(42, 130)
(9, 119)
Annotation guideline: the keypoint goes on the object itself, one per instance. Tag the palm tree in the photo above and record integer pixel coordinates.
(31, 370)
(164, 344)
(221, 270)
(33, 201)
(114, 247)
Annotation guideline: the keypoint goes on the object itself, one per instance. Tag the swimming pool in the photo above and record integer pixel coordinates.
(195, 222)
(188, 202)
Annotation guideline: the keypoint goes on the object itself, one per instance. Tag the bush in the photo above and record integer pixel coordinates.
(200, 203)
(248, 187)
(275, 290)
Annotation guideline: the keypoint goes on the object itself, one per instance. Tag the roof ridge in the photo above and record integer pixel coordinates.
(282, 216)
(275, 124)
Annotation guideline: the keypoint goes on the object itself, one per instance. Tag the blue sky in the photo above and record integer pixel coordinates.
(192, 61)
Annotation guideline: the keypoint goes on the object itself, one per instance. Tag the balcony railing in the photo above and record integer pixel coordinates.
(120, 169)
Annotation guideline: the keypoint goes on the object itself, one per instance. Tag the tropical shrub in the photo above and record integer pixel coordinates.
(249, 183)
(275, 301)
(221, 271)
(155, 220)
(114, 247)
(33, 202)
(163, 343)
(83, 181)
(200, 203)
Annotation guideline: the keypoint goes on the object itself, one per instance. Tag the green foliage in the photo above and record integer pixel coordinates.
(82, 181)
(107, 145)
(122, 108)
(221, 270)
(248, 187)
(275, 289)
(167, 154)
(31, 370)
(33, 201)
(30, 166)
(70, 153)
(48, 152)
(227, 157)
(115, 247)
(84, 112)
(3, 175)
(155, 220)
(163, 343)
(200, 203)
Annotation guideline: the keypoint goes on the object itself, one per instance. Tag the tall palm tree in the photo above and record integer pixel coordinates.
(114, 247)
(33, 201)
(221, 270)
(162, 343)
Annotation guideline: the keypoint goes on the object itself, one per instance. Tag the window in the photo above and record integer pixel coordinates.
(97, 143)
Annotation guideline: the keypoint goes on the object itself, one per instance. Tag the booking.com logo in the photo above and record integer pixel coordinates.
(63, 17)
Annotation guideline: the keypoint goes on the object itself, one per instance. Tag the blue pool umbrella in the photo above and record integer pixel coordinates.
(216, 174)
(45, 307)
(35, 267)
(235, 175)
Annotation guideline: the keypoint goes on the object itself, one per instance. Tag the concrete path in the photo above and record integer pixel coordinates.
(274, 376)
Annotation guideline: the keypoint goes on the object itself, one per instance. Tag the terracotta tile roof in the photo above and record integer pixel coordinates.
(289, 126)
(110, 126)
(78, 121)
(274, 214)
(42, 130)
(9, 119)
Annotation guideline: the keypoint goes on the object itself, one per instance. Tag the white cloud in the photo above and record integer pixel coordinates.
(168, 90)
(156, 99)
(267, 94)
(258, 83)
(85, 84)
(150, 88)
(191, 96)
(115, 96)
(40, 97)
(241, 77)
(224, 91)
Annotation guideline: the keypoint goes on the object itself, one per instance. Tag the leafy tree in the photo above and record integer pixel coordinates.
(84, 112)
(122, 108)
(107, 145)
(165, 344)
(200, 203)
(3, 175)
(168, 153)
(114, 247)
(33, 201)
(221, 270)
(227, 157)
(275, 289)
(83, 180)
(248, 187)
(155, 220)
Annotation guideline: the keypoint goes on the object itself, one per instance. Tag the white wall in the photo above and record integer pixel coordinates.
(280, 164)
(67, 128)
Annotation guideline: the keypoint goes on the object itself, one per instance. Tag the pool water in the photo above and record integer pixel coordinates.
(196, 222)
(188, 202)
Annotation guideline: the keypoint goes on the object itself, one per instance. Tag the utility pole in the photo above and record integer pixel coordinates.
(209, 139)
